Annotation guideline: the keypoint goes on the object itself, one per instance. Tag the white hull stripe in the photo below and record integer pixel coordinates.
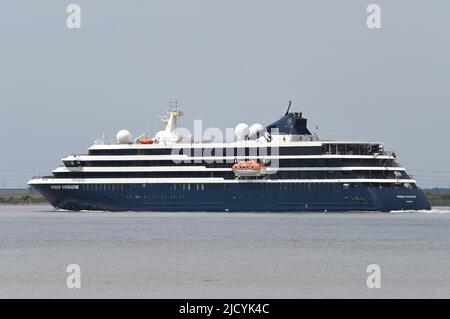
(222, 145)
(204, 169)
(49, 181)
(211, 159)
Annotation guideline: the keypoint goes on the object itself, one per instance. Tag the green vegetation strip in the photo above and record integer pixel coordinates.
(439, 199)
(22, 199)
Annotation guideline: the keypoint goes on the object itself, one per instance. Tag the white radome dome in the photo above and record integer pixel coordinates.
(124, 137)
(241, 131)
(255, 128)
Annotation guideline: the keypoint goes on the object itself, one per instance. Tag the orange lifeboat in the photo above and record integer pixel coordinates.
(248, 168)
(145, 141)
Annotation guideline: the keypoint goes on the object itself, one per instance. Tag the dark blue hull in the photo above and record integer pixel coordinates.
(233, 197)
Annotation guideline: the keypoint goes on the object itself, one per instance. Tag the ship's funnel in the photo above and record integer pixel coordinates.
(292, 123)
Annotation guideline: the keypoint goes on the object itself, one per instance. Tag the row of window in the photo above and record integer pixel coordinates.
(351, 149)
(262, 186)
(230, 175)
(228, 151)
(293, 162)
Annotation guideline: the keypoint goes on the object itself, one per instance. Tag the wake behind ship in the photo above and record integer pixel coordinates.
(278, 168)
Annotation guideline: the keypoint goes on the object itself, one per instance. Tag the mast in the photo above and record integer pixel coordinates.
(170, 118)
(173, 114)
(287, 111)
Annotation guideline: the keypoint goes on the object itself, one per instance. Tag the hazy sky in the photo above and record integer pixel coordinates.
(61, 88)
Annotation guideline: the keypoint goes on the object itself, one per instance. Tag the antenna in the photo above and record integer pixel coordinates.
(287, 112)
(173, 105)
(172, 110)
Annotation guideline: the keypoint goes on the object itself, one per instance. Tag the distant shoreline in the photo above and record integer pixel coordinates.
(22, 199)
(436, 199)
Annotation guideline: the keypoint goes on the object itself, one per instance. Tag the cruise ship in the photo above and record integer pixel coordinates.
(281, 167)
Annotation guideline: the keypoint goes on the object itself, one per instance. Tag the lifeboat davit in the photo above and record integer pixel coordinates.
(146, 141)
(249, 168)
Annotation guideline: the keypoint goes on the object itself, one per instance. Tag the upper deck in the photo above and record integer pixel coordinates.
(243, 147)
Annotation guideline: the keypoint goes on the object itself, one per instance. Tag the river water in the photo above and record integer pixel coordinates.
(216, 255)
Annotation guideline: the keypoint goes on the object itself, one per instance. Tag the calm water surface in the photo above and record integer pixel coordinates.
(215, 255)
